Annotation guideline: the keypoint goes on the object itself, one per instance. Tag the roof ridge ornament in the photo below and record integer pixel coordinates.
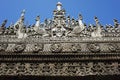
(23, 12)
(62, 26)
(59, 6)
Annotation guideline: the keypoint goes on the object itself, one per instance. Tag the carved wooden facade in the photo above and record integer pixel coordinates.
(60, 47)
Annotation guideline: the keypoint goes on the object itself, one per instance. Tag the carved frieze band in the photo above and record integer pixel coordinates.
(60, 69)
(60, 47)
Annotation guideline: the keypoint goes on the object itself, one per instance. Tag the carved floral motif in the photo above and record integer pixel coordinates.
(93, 47)
(37, 47)
(75, 47)
(56, 47)
(19, 48)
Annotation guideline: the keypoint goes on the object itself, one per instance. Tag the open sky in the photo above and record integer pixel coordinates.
(105, 10)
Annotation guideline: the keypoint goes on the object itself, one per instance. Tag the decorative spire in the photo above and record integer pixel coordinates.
(23, 13)
(81, 24)
(37, 18)
(96, 20)
(37, 21)
(80, 17)
(4, 23)
(116, 23)
(59, 6)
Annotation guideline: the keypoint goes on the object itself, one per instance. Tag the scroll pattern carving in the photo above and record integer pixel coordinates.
(113, 47)
(60, 69)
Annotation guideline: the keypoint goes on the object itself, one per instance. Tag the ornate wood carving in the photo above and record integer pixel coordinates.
(19, 48)
(60, 46)
(93, 47)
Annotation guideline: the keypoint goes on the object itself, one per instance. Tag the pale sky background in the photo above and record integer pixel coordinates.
(105, 10)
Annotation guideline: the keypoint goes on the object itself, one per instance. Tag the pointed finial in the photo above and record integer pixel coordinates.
(4, 23)
(96, 20)
(37, 18)
(23, 13)
(59, 6)
(116, 23)
(68, 17)
(80, 17)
